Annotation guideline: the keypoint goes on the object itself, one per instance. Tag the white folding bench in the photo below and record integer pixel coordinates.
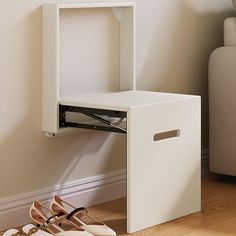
(163, 130)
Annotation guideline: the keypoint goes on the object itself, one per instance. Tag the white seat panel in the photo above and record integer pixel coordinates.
(123, 101)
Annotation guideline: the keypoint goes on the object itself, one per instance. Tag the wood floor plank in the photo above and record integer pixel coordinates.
(218, 206)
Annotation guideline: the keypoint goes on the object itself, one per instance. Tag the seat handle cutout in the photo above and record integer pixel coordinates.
(166, 135)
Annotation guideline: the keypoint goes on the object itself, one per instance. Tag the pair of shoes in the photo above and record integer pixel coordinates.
(53, 223)
(57, 220)
(27, 230)
(77, 214)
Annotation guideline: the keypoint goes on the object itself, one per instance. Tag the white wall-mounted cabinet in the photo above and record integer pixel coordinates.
(87, 49)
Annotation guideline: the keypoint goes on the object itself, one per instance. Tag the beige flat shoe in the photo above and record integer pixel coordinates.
(53, 224)
(76, 216)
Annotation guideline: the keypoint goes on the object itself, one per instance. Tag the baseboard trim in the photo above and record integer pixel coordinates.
(85, 192)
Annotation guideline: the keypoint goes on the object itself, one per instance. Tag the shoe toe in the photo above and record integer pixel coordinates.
(99, 230)
(39, 232)
(10, 232)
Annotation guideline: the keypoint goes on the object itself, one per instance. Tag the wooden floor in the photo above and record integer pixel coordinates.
(218, 216)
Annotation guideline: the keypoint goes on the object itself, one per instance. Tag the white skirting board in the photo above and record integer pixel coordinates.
(85, 192)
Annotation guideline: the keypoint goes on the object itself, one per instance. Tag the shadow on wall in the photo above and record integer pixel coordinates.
(176, 60)
(31, 161)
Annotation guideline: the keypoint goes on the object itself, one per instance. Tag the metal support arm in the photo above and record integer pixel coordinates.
(93, 113)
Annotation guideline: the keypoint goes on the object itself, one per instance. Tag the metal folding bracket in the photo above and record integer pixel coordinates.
(92, 113)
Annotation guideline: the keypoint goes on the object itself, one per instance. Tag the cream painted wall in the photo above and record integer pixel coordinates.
(174, 40)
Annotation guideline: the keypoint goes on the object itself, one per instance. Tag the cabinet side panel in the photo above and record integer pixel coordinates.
(163, 175)
(50, 69)
(127, 49)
